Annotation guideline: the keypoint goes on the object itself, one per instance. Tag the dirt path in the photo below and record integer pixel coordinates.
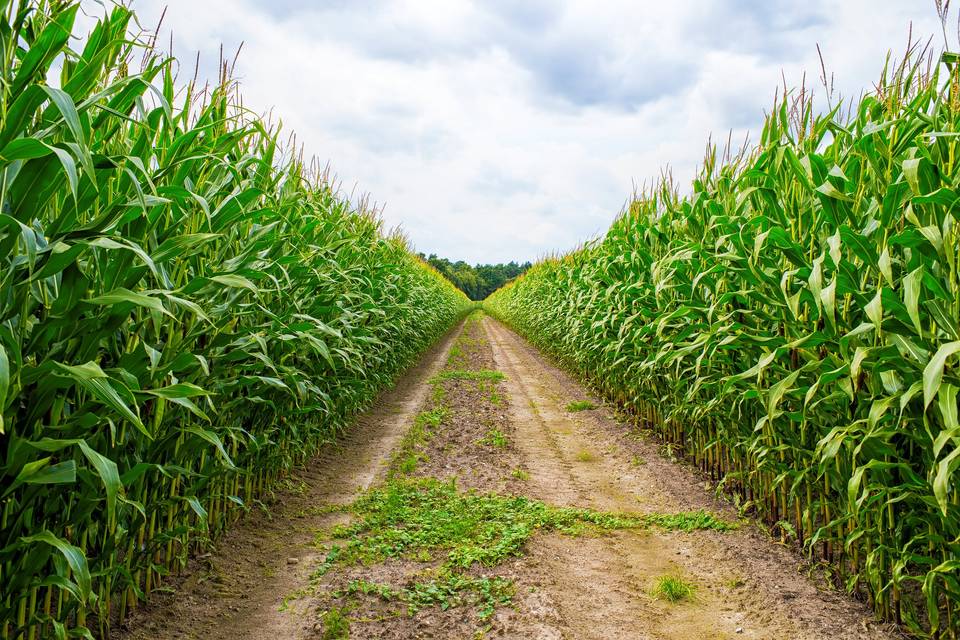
(238, 591)
(486, 416)
(747, 587)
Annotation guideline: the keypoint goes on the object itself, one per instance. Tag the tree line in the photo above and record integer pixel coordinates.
(477, 281)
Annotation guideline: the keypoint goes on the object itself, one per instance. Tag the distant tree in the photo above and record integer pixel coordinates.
(477, 281)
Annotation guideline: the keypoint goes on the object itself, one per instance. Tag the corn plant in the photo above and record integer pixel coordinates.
(792, 325)
(187, 310)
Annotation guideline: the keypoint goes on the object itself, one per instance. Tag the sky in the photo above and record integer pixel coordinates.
(503, 130)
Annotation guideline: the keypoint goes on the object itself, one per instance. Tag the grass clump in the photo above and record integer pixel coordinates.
(673, 588)
(494, 438)
(469, 374)
(580, 405)
(408, 455)
(585, 456)
(520, 474)
(689, 521)
(409, 517)
(336, 624)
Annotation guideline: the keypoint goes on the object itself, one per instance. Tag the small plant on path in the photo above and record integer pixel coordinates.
(580, 405)
(494, 438)
(673, 588)
(474, 375)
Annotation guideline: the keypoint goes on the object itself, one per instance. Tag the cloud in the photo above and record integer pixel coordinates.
(497, 130)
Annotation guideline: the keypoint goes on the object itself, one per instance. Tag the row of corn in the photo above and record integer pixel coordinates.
(186, 311)
(792, 325)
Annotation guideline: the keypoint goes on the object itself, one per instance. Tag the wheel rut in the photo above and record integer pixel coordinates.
(601, 587)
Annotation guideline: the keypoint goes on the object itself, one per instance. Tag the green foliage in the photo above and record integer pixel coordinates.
(453, 589)
(367, 588)
(426, 520)
(495, 438)
(701, 520)
(469, 374)
(793, 327)
(446, 590)
(186, 311)
(336, 625)
(478, 281)
(580, 405)
(409, 455)
(520, 474)
(409, 517)
(673, 588)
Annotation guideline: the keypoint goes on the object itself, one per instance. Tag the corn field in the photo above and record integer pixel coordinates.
(187, 309)
(792, 326)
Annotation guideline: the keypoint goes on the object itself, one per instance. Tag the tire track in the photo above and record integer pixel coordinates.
(747, 586)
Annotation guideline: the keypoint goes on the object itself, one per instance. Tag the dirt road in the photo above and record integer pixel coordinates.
(486, 411)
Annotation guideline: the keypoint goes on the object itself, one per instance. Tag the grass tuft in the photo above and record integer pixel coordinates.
(468, 374)
(494, 438)
(336, 624)
(673, 588)
(580, 405)
(520, 474)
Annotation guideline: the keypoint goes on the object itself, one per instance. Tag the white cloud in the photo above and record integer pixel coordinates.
(504, 130)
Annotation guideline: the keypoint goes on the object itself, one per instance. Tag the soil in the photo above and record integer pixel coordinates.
(589, 586)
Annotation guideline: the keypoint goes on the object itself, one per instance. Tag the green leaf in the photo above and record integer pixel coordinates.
(68, 110)
(235, 281)
(92, 378)
(74, 557)
(933, 372)
(109, 474)
(179, 390)
(213, 439)
(121, 295)
(4, 383)
(911, 297)
(24, 149)
(942, 485)
(69, 168)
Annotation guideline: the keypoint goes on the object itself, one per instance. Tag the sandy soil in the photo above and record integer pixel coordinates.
(584, 587)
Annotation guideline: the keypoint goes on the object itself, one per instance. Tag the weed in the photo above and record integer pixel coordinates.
(452, 589)
(673, 588)
(407, 516)
(494, 438)
(735, 582)
(580, 405)
(408, 455)
(382, 591)
(689, 521)
(637, 461)
(585, 456)
(520, 474)
(336, 624)
(469, 374)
